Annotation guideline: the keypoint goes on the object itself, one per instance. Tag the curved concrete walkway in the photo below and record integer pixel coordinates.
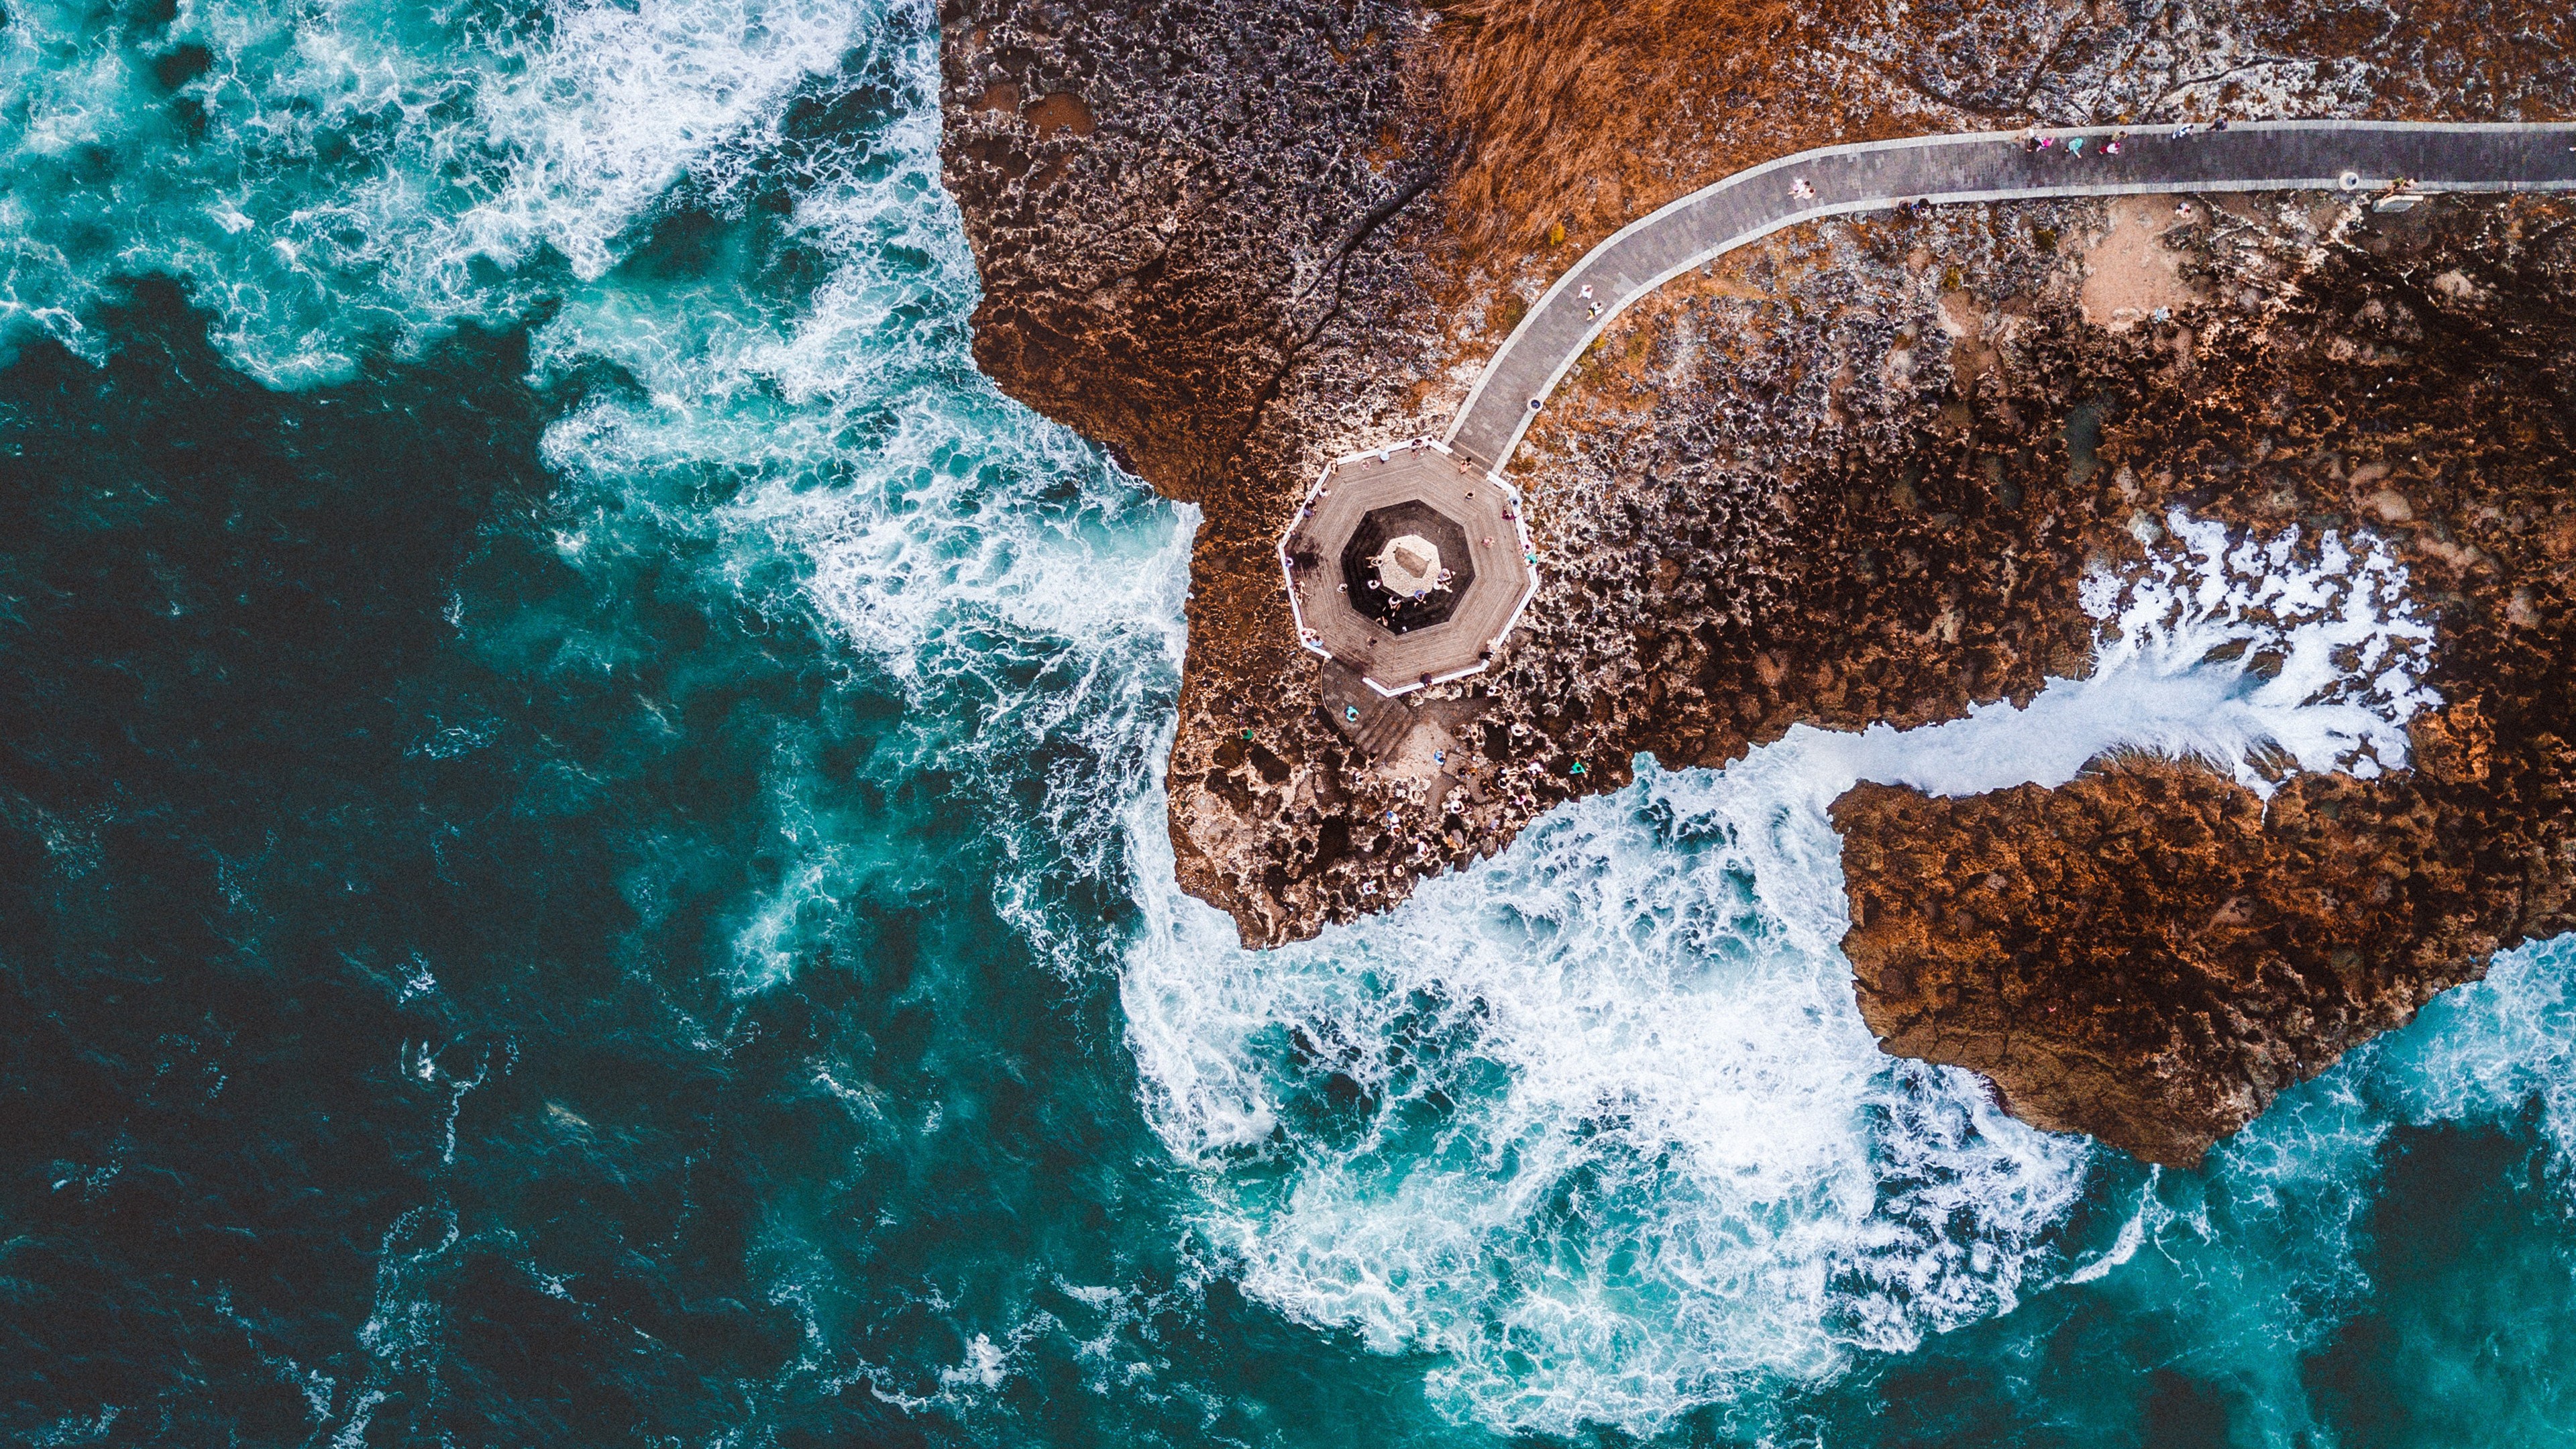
(2360, 156)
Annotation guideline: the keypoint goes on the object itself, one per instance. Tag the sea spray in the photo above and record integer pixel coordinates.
(1594, 1124)
(2327, 642)
(1598, 1121)
(361, 174)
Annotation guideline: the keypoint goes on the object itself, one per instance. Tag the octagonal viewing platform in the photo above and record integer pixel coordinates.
(1408, 565)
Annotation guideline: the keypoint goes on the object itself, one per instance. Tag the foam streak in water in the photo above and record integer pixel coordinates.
(361, 172)
(1599, 1121)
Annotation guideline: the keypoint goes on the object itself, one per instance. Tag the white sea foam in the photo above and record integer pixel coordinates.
(623, 99)
(2149, 1218)
(1599, 1123)
(2489, 1052)
(2333, 622)
(982, 1368)
(369, 170)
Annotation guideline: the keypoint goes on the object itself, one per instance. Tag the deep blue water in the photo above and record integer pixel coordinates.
(581, 863)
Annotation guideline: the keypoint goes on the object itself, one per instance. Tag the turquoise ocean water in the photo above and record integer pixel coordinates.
(581, 863)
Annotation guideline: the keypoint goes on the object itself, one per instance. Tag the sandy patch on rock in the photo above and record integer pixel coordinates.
(1427, 753)
(2129, 272)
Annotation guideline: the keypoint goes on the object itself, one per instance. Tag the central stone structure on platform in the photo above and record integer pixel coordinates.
(1408, 565)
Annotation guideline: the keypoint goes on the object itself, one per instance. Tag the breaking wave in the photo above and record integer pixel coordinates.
(357, 173)
(1595, 1124)
(1598, 1122)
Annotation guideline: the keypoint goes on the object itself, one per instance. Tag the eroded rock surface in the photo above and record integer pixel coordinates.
(1853, 475)
(2147, 954)
(2150, 954)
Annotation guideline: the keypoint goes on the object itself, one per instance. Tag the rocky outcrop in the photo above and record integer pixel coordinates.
(1175, 208)
(2150, 954)
(1851, 475)
(1211, 275)
(2147, 954)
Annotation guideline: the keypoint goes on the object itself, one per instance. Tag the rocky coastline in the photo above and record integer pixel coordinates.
(1856, 474)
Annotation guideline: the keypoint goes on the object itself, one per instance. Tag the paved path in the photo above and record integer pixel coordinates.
(1874, 176)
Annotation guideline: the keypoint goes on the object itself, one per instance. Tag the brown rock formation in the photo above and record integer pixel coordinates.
(2148, 954)
(1850, 476)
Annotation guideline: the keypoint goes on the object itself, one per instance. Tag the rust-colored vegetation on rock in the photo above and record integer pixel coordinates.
(1588, 114)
